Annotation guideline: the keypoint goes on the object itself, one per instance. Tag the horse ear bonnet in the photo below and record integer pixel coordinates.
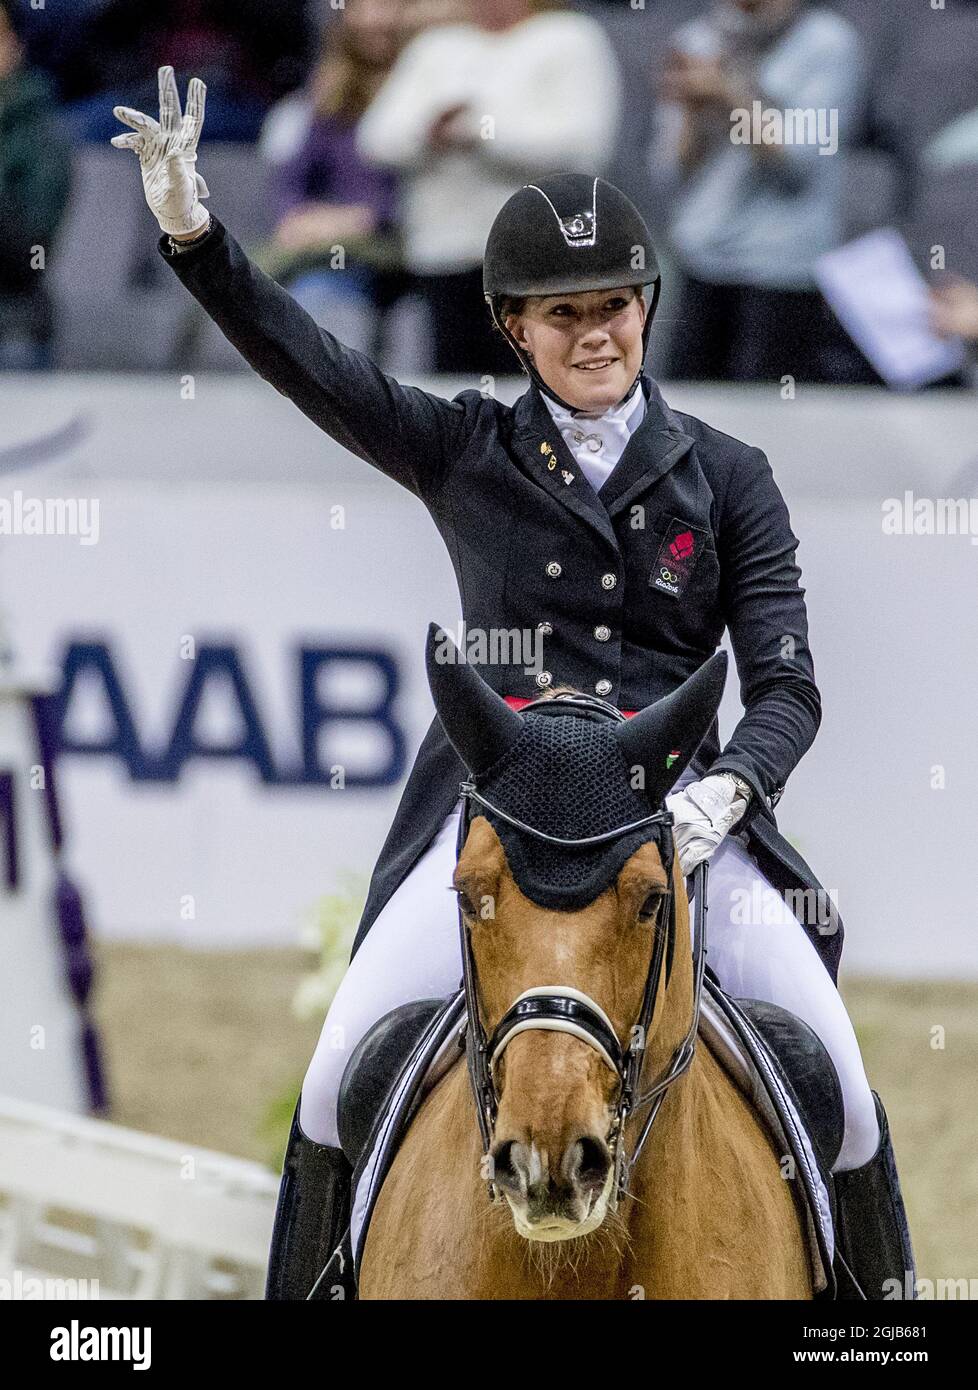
(568, 774)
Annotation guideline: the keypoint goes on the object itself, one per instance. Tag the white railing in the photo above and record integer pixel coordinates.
(126, 1215)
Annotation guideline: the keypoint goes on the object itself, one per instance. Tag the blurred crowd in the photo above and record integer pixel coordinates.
(389, 132)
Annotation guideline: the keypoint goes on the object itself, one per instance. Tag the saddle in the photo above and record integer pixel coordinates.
(775, 1059)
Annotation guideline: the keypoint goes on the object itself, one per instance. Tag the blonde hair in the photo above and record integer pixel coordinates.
(553, 691)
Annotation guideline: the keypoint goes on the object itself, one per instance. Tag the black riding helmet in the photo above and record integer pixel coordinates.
(561, 235)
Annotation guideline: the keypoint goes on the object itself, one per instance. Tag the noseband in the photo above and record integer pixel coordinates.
(563, 1009)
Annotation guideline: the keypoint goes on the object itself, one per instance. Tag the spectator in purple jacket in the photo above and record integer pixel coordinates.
(336, 241)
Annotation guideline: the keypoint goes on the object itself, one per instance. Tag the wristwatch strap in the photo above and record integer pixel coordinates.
(743, 787)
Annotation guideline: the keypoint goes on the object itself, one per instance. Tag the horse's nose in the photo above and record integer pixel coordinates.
(530, 1170)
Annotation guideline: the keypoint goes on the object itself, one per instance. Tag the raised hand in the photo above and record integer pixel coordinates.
(167, 152)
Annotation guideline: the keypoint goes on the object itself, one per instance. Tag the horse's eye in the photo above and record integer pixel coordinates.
(465, 902)
(650, 907)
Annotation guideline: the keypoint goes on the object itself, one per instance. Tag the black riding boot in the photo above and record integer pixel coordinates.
(872, 1233)
(311, 1223)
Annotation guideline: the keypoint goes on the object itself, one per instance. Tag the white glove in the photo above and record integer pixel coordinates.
(703, 813)
(167, 154)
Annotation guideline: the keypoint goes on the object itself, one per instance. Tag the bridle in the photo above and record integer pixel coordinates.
(561, 1008)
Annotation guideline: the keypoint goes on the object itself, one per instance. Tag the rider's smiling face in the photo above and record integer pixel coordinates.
(587, 347)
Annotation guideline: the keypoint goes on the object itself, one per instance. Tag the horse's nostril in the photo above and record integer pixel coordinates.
(593, 1162)
(502, 1162)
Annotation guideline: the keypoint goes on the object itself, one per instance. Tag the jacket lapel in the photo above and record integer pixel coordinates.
(659, 442)
(540, 449)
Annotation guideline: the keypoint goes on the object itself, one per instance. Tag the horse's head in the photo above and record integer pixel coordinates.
(566, 944)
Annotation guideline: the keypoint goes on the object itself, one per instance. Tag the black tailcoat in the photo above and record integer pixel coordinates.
(625, 612)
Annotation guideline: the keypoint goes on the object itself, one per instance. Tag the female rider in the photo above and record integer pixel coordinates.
(625, 536)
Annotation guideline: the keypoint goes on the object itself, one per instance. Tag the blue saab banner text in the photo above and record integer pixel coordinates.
(221, 665)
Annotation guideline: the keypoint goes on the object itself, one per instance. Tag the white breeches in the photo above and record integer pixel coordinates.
(412, 952)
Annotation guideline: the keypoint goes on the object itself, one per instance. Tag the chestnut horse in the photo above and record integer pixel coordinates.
(705, 1211)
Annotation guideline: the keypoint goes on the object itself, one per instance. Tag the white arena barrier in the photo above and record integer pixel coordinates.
(92, 1210)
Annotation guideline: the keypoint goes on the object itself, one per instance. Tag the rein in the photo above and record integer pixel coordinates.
(561, 1008)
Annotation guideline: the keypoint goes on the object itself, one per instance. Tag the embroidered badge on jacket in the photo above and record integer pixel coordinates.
(677, 557)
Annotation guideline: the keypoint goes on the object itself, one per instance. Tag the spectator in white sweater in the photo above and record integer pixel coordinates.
(470, 112)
